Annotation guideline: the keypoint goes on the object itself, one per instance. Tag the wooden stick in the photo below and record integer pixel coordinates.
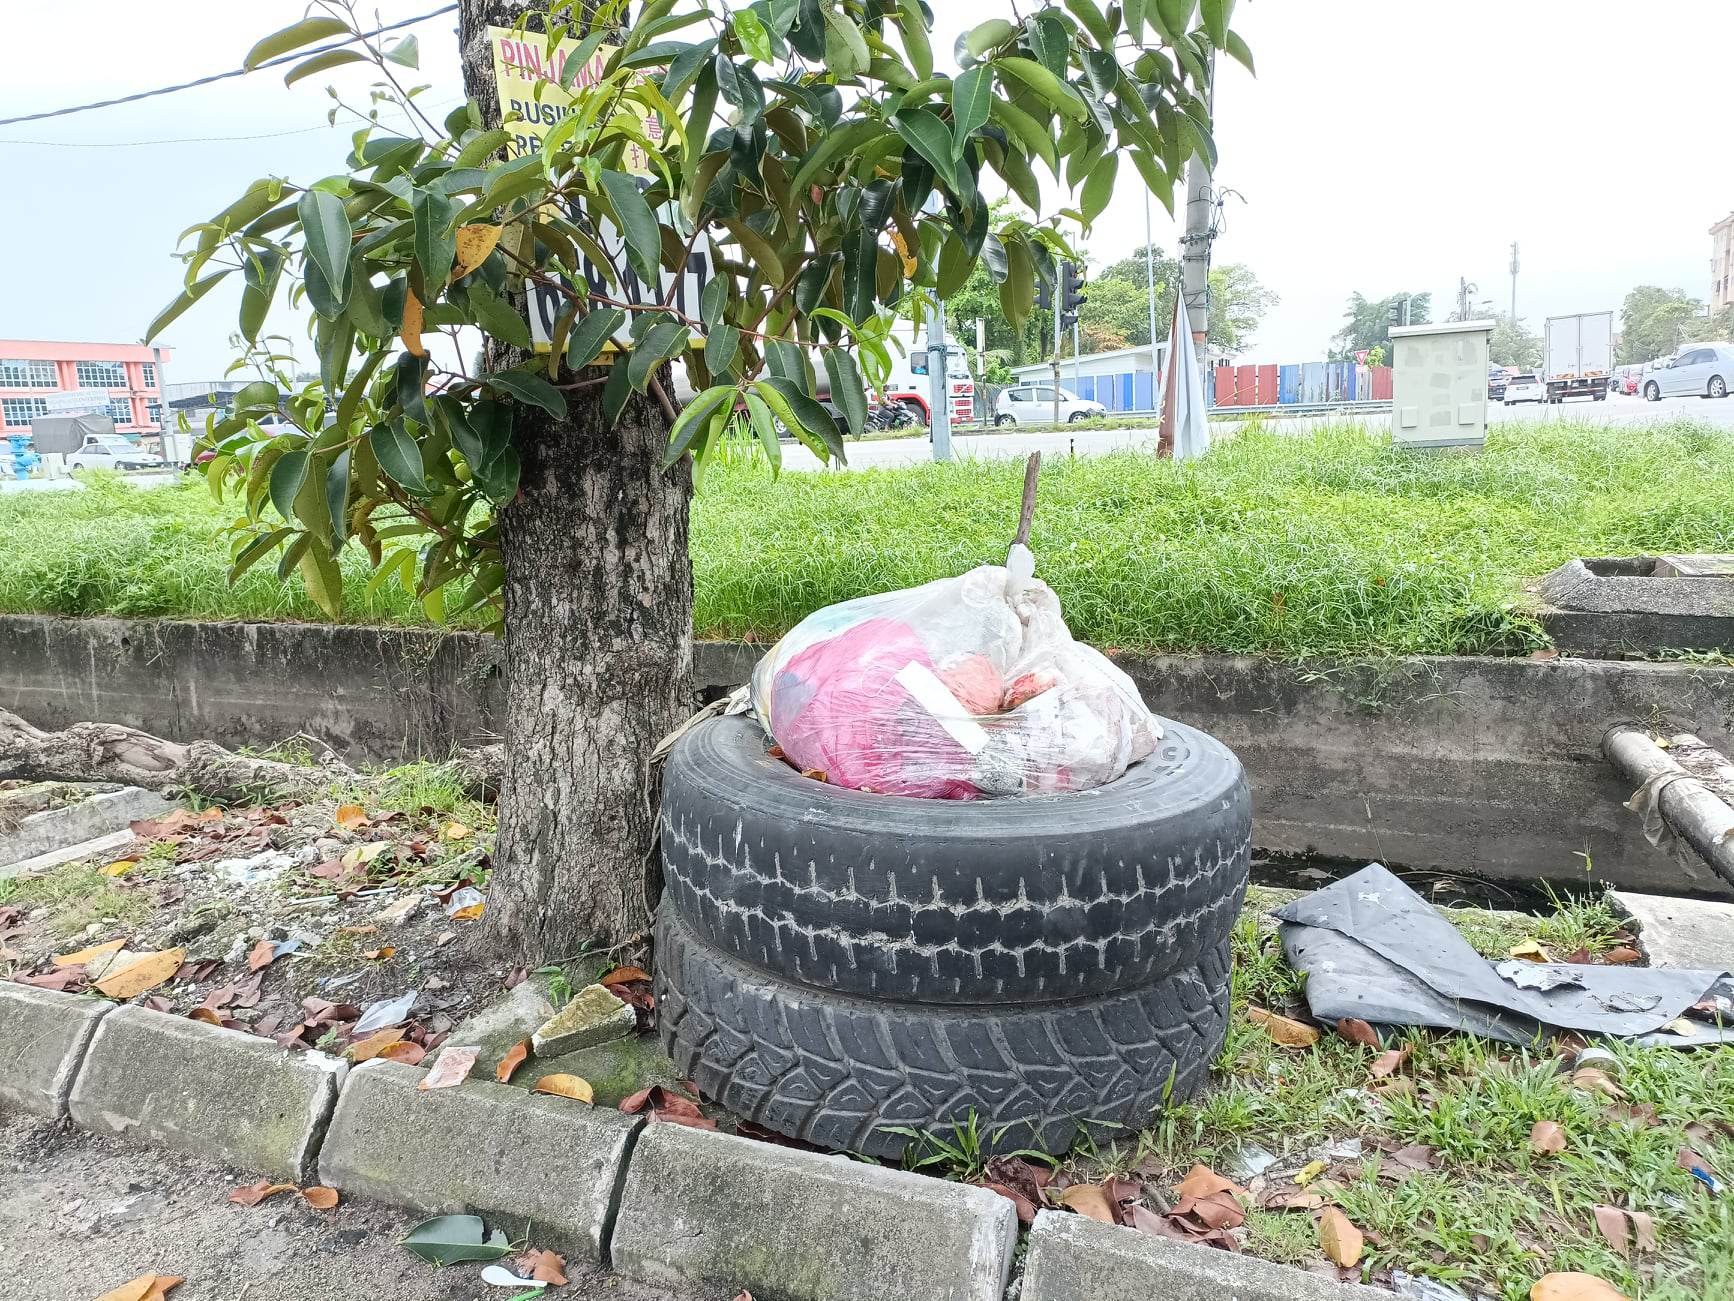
(1031, 471)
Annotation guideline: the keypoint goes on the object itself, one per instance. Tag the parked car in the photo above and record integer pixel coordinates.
(1035, 403)
(1526, 386)
(1496, 380)
(1703, 369)
(112, 452)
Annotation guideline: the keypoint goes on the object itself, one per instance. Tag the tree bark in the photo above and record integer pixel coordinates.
(598, 632)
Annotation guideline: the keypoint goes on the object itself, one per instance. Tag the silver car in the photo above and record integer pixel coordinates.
(1702, 369)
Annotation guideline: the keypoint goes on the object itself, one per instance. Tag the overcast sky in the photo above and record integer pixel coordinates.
(1381, 148)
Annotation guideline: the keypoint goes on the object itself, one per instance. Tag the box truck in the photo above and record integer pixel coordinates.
(1580, 355)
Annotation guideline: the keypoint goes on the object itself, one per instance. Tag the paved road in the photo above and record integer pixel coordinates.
(1094, 440)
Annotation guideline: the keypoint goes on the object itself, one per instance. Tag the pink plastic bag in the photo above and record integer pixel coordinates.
(960, 688)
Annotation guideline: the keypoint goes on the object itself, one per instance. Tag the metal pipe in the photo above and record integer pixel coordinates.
(1689, 808)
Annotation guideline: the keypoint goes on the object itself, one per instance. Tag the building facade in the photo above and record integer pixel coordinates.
(1722, 264)
(123, 381)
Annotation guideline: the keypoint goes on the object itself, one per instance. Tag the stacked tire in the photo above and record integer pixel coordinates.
(847, 968)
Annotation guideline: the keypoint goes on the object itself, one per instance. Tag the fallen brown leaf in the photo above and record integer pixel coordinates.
(365, 1050)
(1202, 1181)
(1531, 951)
(624, 975)
(1342, 1242)
(543, 1266)
(120, 867)
(1389, 1062)
(1289, 1033)
(575, 1087)
(1546, 1138)
(1643, 1230)
(407, 1053)
(137, 1290)
(209, 1015)
(511, 1061)
(1026, 1209)
(1357, 1031)
(452, 1068)
(253, 1194)
(147, 973)
(1592, 1080)
(468, 914)
(457, 831)
(1621, 955)
(1574, 1287)
(378, 955)
(1148, 1221)
(1290, 1198)
(85, 955)
(1416, 1156)
(1309, 1172)
(1611, 1224)
(675, 1118)
(350, 816)
(262, 955)
(320, 1198)
(1090, 1201)
(1217, 1211)
(161, 1286)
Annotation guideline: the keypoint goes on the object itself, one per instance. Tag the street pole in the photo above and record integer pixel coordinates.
(1150, 271)
(1195, 246)
(939, 383)
(983, 412)
(1077, 363)
(1056, 357)
(1514, 282)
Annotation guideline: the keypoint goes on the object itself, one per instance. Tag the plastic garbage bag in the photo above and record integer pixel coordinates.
(960, 688)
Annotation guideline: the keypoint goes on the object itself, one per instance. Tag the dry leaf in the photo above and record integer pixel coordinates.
(1218, 1211)
(544, 1267)
(263, 954)
(468, 914)
(1592, 1080)
(209, 1015)
(1611, 1224)
(458, 831)
(1089, 1200)
(351, 816)
(511, 1061)
(452, 1067)
(1026, 1209)
(1342, 1242)
(474, 244)
(1622, 955)
(378, 955)
(624, 976)
(1291, 1034)
(120, 867)
(410, 333)
(1531, 951)
(1643, 1230)
(162, 1286)
(1202, 1181)
(146, 1287)
(365, 1050)
(320, 1198)
(362, 855)
(1358, 1031)
(1574, 1287)
(1546, 1138)
(1387, 1063)
(407, 1053)
(1309, 1172)
(147, 973)
(575, 1087)
(85, 955)
(253, 1194)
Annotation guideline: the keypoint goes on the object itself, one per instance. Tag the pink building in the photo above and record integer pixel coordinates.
(123, 380)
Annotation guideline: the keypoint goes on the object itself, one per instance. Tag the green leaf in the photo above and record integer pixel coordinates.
(526, 386)
(971, 103)
(720, 347)
(637, 223)
(615, 393)
(253, 552)
(480, 149)
(398, 455)
(692, 420)
(323, 579)
(185, 299)
(292, 555)
(294, 37)
(406, 52)
(1058, 96)
(660, 341)
(1099, 187)
(286, 477)
(262, 271)
(1051, 41)
(321, 63)
(356, 391)
(846, 137)
(337, 497)
(436, 244)
(591, 335)
(804, 414)
(860, 273)
(1093, 22)
(913, 23)
(329, 301)
(985, 36)
(765, 427)
(847, 391)
(955, 266)
(1238, 51)
(1172, 18)
(755, 40)
(495, 315)
(498, 476)
(930, 138)
(260, 395)
(1215, 13)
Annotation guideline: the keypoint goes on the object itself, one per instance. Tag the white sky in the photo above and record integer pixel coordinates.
(1381, 148)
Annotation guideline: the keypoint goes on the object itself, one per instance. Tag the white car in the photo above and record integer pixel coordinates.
(1035, 403)
(1702, 369)
(1524, 388)
(112, 452)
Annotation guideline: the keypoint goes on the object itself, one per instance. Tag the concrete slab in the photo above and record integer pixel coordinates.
(1072, 1258)
(487, 1148)
(715, 1212)
(43, 1038)
(1689, 933)
(231, 1098)
(502, 1025)
(591, 1016)
(100, 815)
(55, 857)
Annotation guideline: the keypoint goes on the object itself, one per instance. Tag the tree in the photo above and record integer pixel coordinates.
(1654, 322)
(1511, 344)
(1369, 322)
(747, 188)
(1238, 302)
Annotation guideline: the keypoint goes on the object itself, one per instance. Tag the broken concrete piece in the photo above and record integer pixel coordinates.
(1694, 934)
(400, 912)
(594, 1016)
(496, 1030)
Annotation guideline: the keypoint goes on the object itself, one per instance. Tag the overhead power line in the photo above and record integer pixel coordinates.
(224, 76)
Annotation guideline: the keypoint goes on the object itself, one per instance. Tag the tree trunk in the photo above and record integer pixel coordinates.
(598, 629)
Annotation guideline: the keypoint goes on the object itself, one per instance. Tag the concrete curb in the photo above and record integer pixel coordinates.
(221, 1094)
(666, 1204)
(100, 815)
(43, 1038)
(712, 1210)
(1076, 1259)
(479, 1147)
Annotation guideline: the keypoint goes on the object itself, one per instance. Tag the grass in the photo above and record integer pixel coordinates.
(79, 894)
(1332, 542)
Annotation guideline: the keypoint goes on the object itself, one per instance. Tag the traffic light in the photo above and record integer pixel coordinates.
(1072, 295)
(1044, 294)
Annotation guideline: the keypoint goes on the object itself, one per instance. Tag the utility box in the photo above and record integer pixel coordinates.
(1439, 397)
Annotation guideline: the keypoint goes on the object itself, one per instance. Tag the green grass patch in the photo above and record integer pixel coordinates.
(1332, 542)
(78, 894)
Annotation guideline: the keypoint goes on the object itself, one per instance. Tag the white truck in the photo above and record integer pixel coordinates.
(1580, 355)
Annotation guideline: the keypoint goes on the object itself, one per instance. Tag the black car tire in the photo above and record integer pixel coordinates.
(1035, 899)
(844, 1072)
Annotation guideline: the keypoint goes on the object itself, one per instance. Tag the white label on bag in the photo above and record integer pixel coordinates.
(947, 710)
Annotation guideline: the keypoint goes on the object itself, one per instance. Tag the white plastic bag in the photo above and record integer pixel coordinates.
(960, 688)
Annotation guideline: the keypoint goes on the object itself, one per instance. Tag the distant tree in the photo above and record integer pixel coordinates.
(1721, 325)
(1512, 344)
(1370, 320)
(1654, 322)
(1238, 302)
